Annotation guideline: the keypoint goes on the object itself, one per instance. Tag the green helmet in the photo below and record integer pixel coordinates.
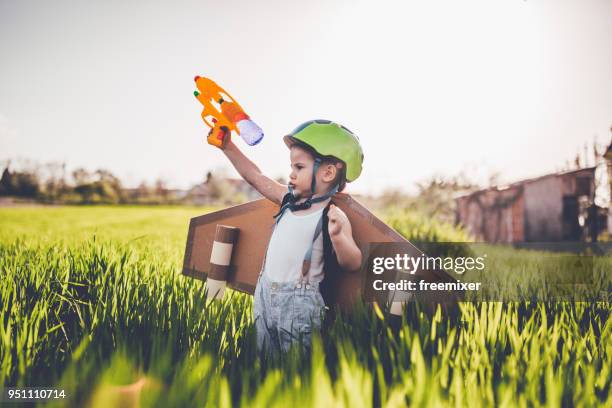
(330, 139)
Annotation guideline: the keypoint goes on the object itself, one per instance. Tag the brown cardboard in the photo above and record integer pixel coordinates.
(255, 221)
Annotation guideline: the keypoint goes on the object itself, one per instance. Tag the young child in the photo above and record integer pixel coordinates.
(308, 232)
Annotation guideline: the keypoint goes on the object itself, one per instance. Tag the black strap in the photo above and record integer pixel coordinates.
(308, 255)
(330, 265)
(289, 202)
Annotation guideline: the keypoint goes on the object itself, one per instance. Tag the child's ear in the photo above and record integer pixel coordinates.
(330, 172)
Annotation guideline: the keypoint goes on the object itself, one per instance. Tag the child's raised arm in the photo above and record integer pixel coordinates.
(267, 187)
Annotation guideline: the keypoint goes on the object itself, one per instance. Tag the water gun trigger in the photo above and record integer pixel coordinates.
(206, 118)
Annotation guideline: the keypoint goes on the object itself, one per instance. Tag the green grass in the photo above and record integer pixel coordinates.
(162, 227)
(92, 299)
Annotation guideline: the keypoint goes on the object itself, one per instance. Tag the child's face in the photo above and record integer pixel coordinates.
(300, 178)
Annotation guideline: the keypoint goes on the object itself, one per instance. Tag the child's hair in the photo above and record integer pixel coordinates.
(340, 173)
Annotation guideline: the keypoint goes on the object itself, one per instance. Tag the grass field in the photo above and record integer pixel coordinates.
(92, 301)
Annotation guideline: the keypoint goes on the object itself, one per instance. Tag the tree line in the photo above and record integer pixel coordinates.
(52, 183)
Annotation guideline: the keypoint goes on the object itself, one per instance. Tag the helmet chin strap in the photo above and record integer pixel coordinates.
(309, 201)
(313, 183)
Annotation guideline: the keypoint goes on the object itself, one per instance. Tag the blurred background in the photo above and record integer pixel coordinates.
(492, 116)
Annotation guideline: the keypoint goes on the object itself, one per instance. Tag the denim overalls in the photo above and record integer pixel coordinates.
(287, 312)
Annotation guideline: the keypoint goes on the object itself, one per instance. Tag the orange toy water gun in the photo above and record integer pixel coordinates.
(223, 114)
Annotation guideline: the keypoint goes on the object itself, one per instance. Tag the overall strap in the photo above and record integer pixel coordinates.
(308, 256)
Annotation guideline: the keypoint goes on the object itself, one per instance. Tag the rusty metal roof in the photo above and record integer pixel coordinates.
(503, 187)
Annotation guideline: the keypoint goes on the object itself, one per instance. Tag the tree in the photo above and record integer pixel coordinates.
(437, 195)
(81, 176)
(26, 184)
(161, 190)
(6, 182)
(54, 185)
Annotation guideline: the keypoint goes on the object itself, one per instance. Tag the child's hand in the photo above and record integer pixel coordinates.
(219, 137)
(338, 220)
(341, 234)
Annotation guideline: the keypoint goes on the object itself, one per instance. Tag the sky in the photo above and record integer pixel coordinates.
(514, 87)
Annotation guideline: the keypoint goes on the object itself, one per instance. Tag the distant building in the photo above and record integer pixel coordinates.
(226, 190)
(553, 207)
(245, 188)
(144, 194)
(199, 195)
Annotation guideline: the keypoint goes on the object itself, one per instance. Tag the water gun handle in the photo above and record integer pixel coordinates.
(219, 136)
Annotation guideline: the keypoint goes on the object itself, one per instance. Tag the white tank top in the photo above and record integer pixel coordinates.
(290, 240)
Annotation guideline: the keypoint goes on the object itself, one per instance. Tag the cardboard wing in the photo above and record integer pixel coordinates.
(254, 220)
